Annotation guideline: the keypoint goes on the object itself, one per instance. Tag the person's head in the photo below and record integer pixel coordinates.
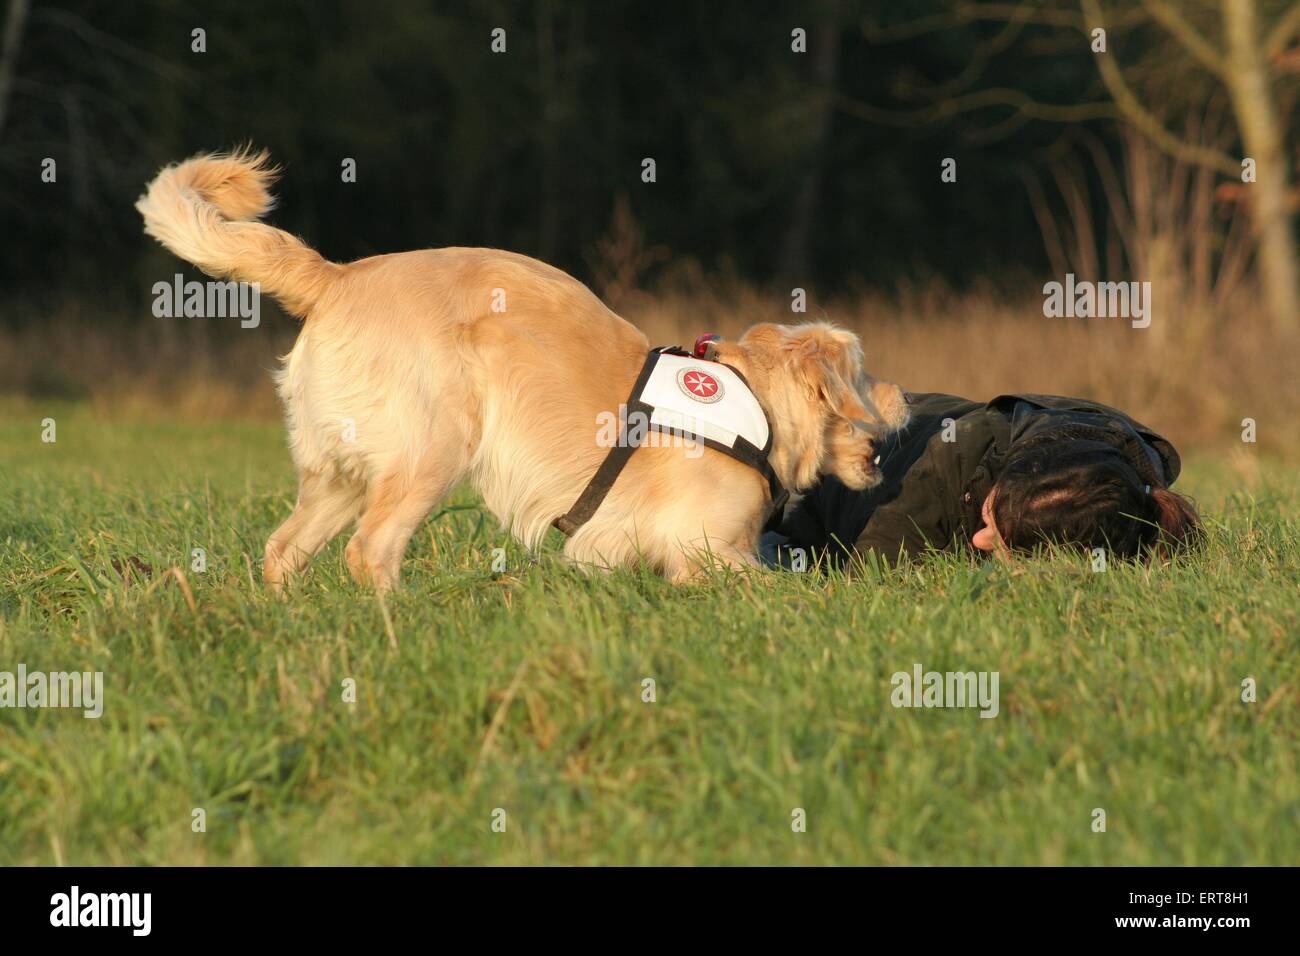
(1085, 494)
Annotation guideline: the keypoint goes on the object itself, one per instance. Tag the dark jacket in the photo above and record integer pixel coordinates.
(937, 471)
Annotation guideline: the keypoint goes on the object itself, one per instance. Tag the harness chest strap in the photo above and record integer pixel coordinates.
(702, 382)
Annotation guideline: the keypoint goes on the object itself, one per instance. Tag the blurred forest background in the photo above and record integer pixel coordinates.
(797, 145)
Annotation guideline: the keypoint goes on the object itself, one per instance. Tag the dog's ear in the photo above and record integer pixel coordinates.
(840, 347)
(844, 350)
(829, 360)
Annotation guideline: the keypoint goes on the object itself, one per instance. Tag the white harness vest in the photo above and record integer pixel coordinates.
(702, 398)
(697, 399)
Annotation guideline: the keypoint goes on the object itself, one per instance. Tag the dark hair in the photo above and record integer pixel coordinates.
(1088, 494)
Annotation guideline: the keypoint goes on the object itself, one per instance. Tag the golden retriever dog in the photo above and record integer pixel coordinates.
(416, 370)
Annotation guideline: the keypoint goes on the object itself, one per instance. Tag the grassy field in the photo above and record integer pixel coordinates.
(523, 690)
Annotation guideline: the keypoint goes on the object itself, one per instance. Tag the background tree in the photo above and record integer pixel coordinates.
(1176, 54)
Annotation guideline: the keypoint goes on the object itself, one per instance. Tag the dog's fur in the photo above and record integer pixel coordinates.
(441, 388)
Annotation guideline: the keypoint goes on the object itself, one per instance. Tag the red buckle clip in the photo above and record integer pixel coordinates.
(705, 347)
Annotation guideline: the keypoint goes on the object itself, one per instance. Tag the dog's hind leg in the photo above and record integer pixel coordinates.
(326, 505)
(395, 507)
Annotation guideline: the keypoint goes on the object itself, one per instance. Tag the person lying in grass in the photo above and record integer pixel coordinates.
(1004, 476)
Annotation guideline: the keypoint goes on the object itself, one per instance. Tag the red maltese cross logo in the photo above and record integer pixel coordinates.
(699, 385)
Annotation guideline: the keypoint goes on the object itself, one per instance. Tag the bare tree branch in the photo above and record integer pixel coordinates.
(984, 53)
(1186, 34)
(1283, 32)
(1126, 104)
(909, 30)
(1025, 13)
(998, 96)
(1135, 113)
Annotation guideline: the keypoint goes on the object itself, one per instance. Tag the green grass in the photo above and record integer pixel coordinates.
(522, 690)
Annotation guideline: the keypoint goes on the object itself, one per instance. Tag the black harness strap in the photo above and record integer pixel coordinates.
(756, 458)
(603, 480)
(597, 488)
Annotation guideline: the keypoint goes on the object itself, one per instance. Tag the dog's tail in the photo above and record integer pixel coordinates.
(205, 210)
